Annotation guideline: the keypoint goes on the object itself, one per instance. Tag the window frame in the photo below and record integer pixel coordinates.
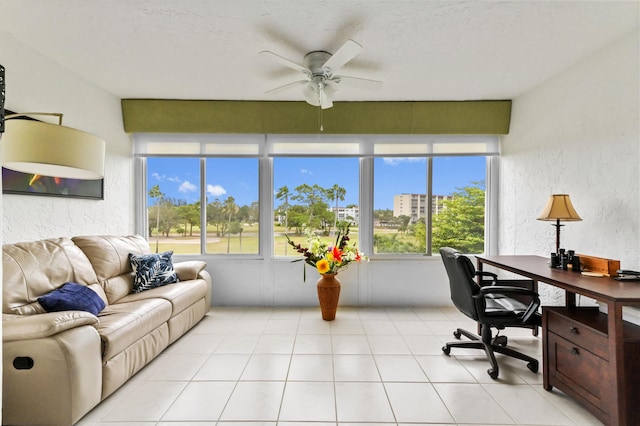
(270, 146)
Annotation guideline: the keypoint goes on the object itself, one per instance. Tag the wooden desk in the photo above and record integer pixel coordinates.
(604, 375)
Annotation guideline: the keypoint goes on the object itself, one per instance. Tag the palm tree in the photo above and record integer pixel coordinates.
(284, 193)
(336, 193)
(230, 208)
(154, 192)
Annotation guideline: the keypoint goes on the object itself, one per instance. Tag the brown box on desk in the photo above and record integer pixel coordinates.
(599, 264)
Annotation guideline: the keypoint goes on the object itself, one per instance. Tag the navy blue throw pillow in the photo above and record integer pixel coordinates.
(72, 297)
(152, 270)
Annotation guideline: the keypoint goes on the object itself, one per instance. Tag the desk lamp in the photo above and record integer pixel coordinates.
(559, 208)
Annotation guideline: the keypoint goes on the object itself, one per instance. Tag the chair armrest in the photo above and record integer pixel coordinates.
(514, 291)
(494, 277)
(26, 327)
(189, 269)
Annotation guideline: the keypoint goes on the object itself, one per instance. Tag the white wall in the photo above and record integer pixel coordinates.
(376, 283)
(577, 133)
(35, 83)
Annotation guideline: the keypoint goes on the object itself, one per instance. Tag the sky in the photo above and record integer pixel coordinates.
(179, 178)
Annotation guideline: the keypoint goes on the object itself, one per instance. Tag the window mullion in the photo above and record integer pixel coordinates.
(429, 206)
(203, 205)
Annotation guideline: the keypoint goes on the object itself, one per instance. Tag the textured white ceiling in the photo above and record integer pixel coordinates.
(422, 50)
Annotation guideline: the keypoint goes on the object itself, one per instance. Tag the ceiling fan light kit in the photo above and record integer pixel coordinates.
(322, 82)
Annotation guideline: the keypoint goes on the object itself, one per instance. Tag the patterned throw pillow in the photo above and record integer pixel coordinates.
(72, 297)
(152, 270)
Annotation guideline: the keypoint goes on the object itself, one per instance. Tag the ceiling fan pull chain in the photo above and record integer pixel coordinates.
(320, 119)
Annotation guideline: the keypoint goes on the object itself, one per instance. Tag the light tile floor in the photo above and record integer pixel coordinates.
(286, 366)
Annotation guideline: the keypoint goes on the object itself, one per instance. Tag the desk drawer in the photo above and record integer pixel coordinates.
(578, 368)
(578, 333)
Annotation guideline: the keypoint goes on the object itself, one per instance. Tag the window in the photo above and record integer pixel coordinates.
(400, 193)
(233, 213)
(403, 194)
(173, 200)
(317, 192)
(458, 203)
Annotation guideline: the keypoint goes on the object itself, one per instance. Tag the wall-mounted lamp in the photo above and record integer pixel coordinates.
(36, 147)
(559, 208)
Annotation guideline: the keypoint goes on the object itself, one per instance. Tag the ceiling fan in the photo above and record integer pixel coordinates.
(321, 81)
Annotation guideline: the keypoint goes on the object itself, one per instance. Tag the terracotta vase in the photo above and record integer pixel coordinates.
(328, 295)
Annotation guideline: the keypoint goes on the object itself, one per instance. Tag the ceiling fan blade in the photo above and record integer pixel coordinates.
(360, 83)
(285, 61)
(344, 54)
(287, 86)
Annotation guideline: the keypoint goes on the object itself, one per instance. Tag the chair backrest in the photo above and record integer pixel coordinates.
(461, 281)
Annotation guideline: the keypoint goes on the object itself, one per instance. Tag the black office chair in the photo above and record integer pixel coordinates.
(491, 305)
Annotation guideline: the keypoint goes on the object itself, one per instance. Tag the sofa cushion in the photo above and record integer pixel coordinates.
(124, 323)
(109, 255)
(181, 295)
(152, 270)
(33, 269)
(72, 297)
(189, 269)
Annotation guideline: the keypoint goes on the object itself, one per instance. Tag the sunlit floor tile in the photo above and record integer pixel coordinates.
(175, 366)
(388, 345)
(271, 367)
(399, 368)
(146, 402)
(471, 403)
(443, 369)
(312, 344)
(311, 368)
(526, 406)
(355, 368)
(223, 367)
(346, 344)
(308, 401)
(200, 401)
(417, 402)
(362, 402)
(258, 401)
(379, 326)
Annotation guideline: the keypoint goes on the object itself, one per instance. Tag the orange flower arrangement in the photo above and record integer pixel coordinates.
(327, 259)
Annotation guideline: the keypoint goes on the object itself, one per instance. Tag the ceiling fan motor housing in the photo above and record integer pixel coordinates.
(314, 61)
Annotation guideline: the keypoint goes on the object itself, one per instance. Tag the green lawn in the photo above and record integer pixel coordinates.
(247, 244)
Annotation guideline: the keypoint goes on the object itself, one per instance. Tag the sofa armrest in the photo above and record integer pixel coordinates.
(189, 269)
(26, 327)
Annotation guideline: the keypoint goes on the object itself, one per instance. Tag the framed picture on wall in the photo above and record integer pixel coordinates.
(28, 184)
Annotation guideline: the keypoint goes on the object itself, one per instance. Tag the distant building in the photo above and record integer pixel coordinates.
(414, 205)
(351, 214)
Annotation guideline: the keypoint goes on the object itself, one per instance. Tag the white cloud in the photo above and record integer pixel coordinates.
(215, 190)
(163, 178)
(306, 172)
(187, 187)
(394, 161)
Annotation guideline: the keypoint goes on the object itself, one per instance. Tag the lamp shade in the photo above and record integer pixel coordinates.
(35, 147)
(559, 207)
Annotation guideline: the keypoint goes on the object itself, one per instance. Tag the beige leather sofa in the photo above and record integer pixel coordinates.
(57, 366)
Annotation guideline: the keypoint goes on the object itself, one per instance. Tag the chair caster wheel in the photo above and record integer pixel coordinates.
(457, 334)
(533, 366)
(493, 373)
(446, 350)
